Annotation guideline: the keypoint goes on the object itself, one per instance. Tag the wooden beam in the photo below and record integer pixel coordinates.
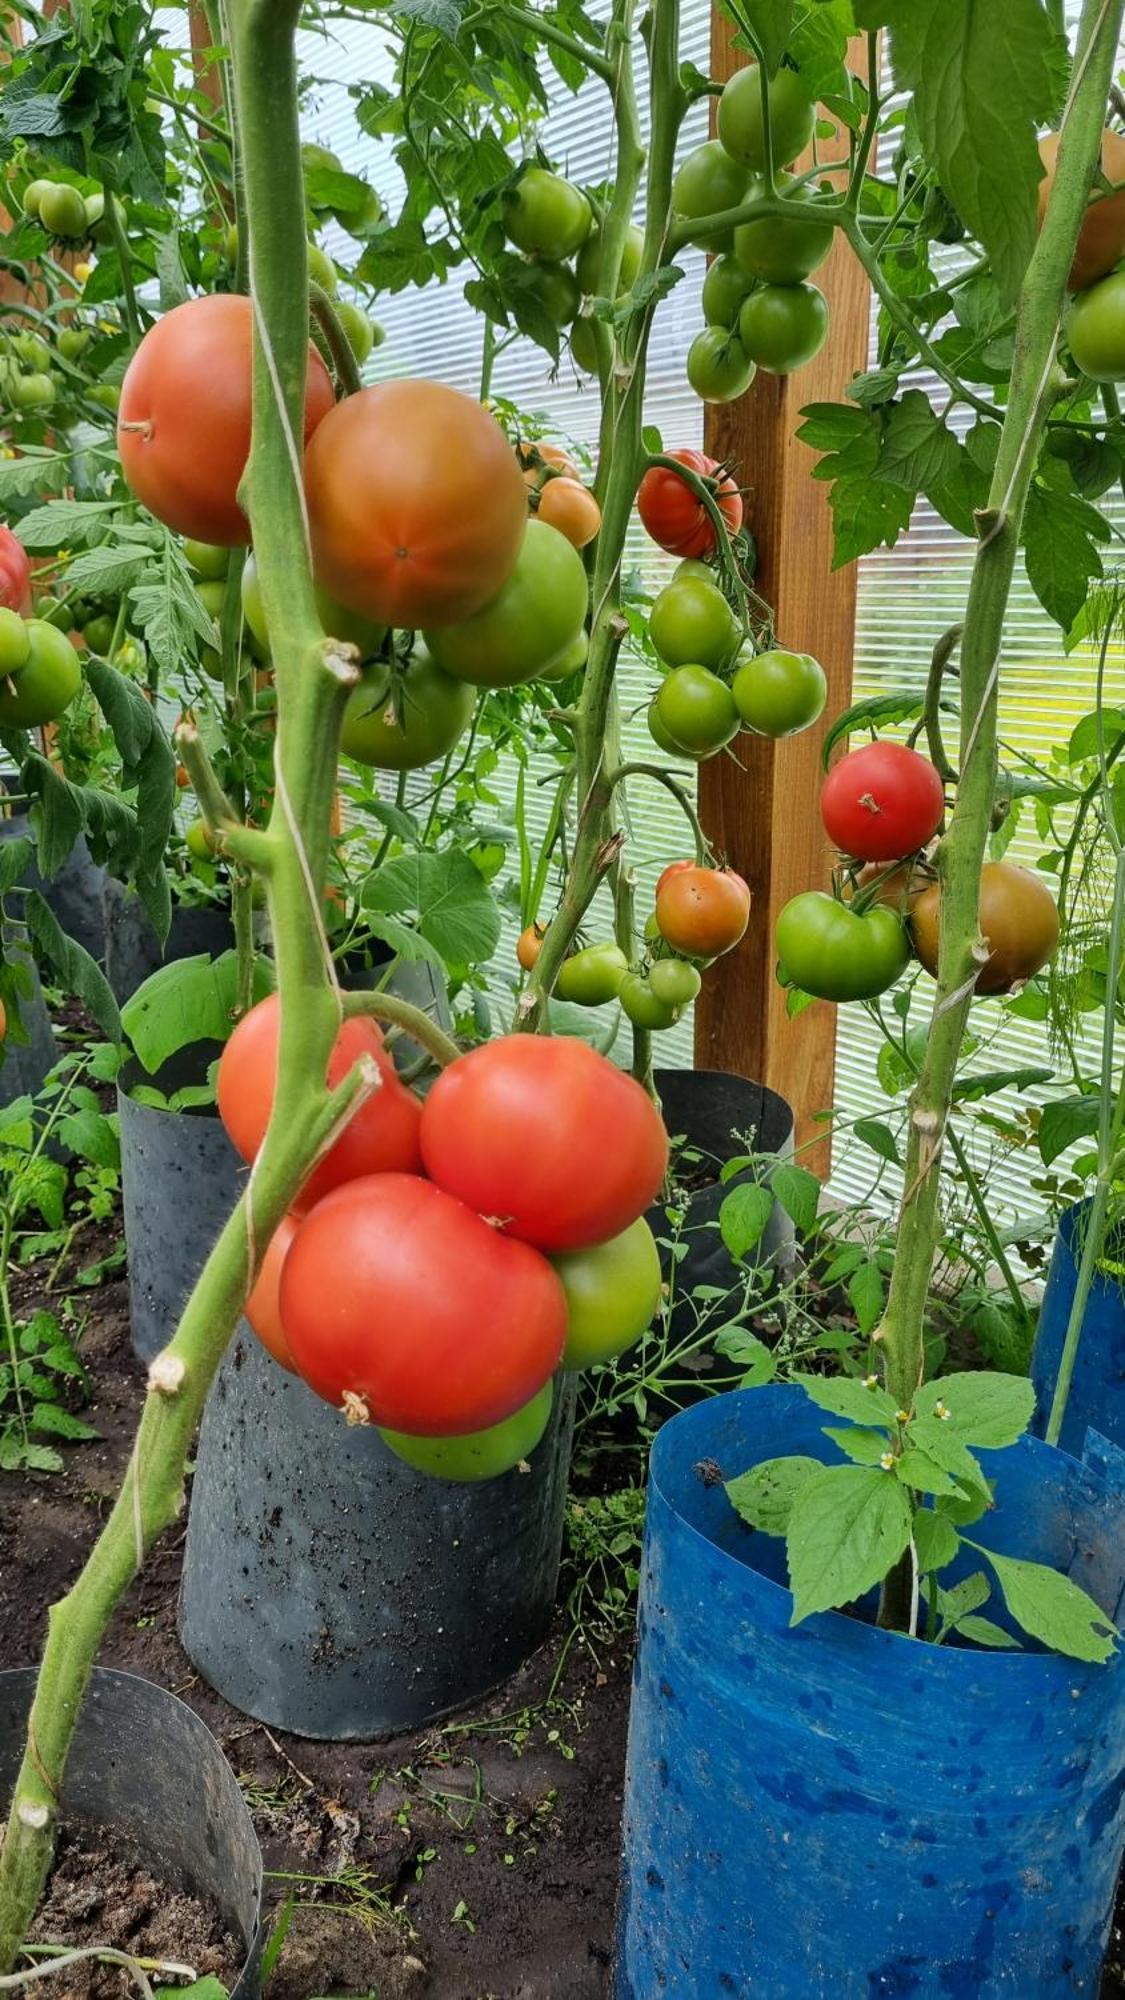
(760, 813)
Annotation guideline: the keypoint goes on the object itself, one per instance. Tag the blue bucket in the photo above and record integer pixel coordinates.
(1097, 1390)
(839, 1810)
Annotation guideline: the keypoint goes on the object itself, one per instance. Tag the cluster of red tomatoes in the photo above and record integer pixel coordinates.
(699, 914)
(761, 312)
(881, 806)
(714, 682)
(499, 598)
(445, 1258)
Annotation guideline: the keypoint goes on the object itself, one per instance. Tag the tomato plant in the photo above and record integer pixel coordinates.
(388, 541)
(48, 681)
(400, 720)
(382, 1137)
(783, 327)
(882, 802)
(694, 710)
(778, 693)
(671, 512)
(183, 422)
(718, 366)
(836, 953)
(503, 1126)
(532, 621)
(691, 623)
(546, 215)
(446, 1325)
(792, 115)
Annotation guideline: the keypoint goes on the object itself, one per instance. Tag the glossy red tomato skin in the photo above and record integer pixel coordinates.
(417, 504)
(882, 802)
(263, 1307)
(381, 1138)
(444, 1324)
(672, 515)
(547, 1137)
(15, 572)
(183, 422)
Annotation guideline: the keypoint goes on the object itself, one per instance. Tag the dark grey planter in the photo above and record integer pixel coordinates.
(76, 893)
(180, 1178)
(145, 1764)
(133, 950)
(330, 1590)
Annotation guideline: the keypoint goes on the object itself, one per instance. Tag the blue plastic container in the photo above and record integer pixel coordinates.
(1097, 1389)
(837, 1810)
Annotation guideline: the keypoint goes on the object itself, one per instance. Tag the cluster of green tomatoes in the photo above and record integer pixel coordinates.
(715, 684)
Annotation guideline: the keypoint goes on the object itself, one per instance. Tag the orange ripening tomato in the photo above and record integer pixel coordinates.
(571, 508)
(3, 1020)
(529, 945)
(382, 1137)
(183, 422)
(702, 912)
(1101, 239)
(263, 1307)
(416, 504)
(540, 457)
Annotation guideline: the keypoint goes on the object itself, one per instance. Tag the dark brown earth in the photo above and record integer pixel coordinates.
(474, 1861)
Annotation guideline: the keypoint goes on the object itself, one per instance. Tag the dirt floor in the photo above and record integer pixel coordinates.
(475, 1861)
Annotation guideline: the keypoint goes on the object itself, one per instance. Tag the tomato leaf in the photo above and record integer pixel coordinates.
(1064, 1121)
(190, 1000)
(764, 1496)
(848, 1526)
(772, 23)
(1059, 535)
(79, 973)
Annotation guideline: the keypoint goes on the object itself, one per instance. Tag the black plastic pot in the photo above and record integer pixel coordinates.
(180, 1178)
(423, 985)
(143, 1763)
(25, 1065)
(330, 1590)
(721, 1117)
(132, 948)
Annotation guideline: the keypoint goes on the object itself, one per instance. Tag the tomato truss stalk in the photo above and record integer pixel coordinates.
(1036, 382)
(313, 676)
(621, 367)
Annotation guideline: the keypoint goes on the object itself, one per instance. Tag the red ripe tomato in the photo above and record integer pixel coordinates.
(263, 1307)
(183, 422)
(675, 519)
(882, 802)
(15, 573)
(544, 1136)
(397, 1294)
(416, 503)
(702, 912)
(381, 1138)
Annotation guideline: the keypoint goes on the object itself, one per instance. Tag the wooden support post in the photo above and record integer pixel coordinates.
(762, 818)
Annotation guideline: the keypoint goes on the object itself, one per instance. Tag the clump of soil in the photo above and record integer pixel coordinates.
(103, 1891)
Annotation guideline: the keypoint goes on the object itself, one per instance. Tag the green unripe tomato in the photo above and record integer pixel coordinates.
(210, 659)
(781, 250)
(691, 623)
(378, 333)
(724, 289)
(546, 216)
(15, 642)
(338, 622)
(707, 183)
(33, 195)
(106, 394)
(777, 693)
(30, 350)
(783, 326)
(479, 1454)
(533, 620)
(98, 634)
(403, 728)
(792, 117)
(94, 205)
(693, 566)
(642, 1007)
(718, 366)
(661, 738)
(53, 611)
(696, 710)
(212, 591)
(613, 1294)
(322, 270)
(588, 268)
(357, 327)
(652, 929)
(557, 290)
(570, 662)
(46, 683)
(209, 562)
(32, 392)
(62, 211)
(592, 977)
(1095, 329)
(362, 222)
(584, 346)
(674, 982)
(73, 342)
(314, 155)
(837, 953)
(199, 840)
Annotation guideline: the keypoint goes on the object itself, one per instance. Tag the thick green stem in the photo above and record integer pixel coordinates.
(1035, 380)
(336, 340)
(418, 1025)
(312, 679)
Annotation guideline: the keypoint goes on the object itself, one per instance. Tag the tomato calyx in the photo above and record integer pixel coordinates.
(357, 1415)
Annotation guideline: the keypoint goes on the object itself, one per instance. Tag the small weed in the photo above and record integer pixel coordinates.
(355, 1892)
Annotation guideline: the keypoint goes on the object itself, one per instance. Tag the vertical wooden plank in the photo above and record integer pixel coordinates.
(206, 69)
(762, 818)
